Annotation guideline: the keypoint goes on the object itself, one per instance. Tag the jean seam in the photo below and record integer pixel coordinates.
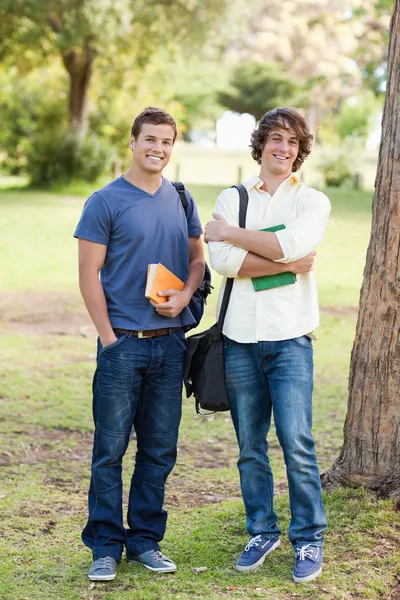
(157, 487)
(180, 342)
(160, 435)
(114, 433)
(108, 489)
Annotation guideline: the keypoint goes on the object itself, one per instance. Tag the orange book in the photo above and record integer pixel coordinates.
(160, 279)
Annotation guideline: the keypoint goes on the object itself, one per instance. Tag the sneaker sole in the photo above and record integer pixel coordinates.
(154, 569)
(259, 562)
(308, 578)
(102, 577)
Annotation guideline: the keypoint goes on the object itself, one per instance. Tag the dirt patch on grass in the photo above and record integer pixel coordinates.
(39, 445)
(45, 313)
(63, 458)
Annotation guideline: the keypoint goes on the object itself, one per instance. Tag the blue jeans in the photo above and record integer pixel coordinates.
(277, 376)
(138, 382)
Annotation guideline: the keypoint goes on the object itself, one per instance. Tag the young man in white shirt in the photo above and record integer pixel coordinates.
(267, 337)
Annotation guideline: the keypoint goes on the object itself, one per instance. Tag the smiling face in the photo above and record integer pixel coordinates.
(280, 152)
(151, 149)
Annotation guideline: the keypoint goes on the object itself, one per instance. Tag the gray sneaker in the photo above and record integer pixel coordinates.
(153, 560)
(103, 569)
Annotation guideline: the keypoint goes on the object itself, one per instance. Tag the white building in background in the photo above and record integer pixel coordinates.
(234, 131)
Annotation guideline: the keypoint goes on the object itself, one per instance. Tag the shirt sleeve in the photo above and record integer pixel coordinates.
(95, 223)
(193, 220)
(225, 258)
(306, 232)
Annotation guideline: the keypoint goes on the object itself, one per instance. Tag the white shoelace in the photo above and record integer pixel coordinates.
(254, 541)
(306, 552)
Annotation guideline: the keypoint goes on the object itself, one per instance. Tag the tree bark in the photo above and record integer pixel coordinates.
(79, 65)
(370, 455)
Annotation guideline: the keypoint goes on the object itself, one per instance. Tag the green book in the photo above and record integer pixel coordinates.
(266, 282)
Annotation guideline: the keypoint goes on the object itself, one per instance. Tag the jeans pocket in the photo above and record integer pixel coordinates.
(227, 341)
(114, 344)
(181, 341)
(303, 340)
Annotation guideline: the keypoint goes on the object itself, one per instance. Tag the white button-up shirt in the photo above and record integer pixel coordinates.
(284, 312)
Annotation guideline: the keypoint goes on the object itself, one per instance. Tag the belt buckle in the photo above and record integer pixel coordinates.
(140, 334)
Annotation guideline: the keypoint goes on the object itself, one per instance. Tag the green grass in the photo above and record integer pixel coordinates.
(46, 430)
(37, 227)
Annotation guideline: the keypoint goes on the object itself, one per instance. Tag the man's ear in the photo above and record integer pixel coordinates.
(132, 142)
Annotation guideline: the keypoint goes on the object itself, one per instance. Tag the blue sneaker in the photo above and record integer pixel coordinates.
(153, 560)
(308, 564)
(103, 569)
(255, 552)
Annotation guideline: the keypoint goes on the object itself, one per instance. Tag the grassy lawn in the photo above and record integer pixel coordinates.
(46, 363)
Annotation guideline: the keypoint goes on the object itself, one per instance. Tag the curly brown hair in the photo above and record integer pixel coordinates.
(282, 118)
(153, 116)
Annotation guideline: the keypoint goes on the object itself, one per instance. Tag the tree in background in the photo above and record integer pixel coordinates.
(257, 87)
(93, 64)
(85, 32)
(370, 455)
(91, 37)
(324, 45)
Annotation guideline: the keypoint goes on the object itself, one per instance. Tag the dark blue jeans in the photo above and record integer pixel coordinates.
(138, 382)
(261, 378)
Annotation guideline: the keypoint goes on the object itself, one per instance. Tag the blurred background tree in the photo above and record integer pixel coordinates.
(73, 67)
(256, 87)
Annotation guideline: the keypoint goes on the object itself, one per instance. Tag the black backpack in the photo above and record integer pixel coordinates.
(199, 298)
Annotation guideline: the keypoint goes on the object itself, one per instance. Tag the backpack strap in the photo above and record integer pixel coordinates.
(180, 188)
(243, 202)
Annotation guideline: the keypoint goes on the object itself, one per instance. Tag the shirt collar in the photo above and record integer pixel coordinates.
(256, 182)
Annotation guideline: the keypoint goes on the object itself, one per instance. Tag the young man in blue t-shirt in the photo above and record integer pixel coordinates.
(133, 221)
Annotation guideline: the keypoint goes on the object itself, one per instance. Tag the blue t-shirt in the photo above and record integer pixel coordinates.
(139, 228)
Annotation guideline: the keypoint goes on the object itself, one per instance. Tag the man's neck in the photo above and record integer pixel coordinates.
(271, 182)
(148, 182)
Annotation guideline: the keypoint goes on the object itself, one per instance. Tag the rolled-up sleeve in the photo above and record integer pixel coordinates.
(306, 232)
(225, 258)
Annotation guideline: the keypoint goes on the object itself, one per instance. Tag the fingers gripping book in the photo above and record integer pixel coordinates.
(160, 279)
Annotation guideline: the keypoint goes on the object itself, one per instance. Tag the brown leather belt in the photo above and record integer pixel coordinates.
(149, 332)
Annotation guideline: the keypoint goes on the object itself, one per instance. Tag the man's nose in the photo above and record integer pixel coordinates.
(284, 145)
(157, 146)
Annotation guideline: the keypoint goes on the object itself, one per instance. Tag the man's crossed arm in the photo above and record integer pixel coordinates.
(263, 249)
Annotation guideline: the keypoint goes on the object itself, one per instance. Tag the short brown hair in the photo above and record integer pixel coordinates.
(153, 116)
(282, 118)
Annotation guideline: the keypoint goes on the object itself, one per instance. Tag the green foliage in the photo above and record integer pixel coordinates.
(30, 107)
(196, 85)
(86, 32)
(258, 87)
(357, 114)
(34, 132)
(336, 171)
(60, 156)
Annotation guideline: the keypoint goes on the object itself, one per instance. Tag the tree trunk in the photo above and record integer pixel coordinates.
(370, 455)
(80, 68)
